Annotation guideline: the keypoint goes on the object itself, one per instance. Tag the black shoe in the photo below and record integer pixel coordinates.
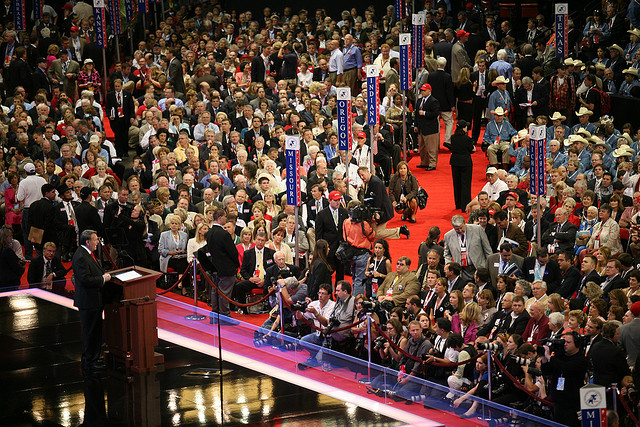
(429, 168)
(404, 230)
(422, 166)
(412, 221)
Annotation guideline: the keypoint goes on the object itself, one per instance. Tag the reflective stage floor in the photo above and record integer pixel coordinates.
(41, 383)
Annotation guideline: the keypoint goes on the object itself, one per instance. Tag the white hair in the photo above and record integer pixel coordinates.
(502, 54)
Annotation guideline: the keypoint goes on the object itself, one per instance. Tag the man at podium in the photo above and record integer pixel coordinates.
(89, 279)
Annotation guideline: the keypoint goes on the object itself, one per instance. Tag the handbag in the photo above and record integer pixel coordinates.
(36, 234)
(422, 197)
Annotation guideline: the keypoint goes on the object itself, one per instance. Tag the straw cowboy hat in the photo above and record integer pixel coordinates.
(618, 48)
(627, 138)
(522, 134)
(623, 150)
(568, 62)
(635, 32)
(584, 112)
(632, 71)
(498, 111)
(578, 138)
(500, 80)
(557, 116)
(583, 132)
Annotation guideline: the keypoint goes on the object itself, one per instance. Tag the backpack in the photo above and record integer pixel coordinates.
(605, 101)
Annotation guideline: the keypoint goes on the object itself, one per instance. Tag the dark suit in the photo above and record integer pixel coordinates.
(609, 363)
(538, 95)
(615, 283)
(569, 281)
(326, 229)
(564, 238)
(443, 48)
(40, 80)
(479, 103)
(552, 274)
(442, 89)
(593, 276)
(248, 270)
(43, 214)
(37, 272)
(439, 311)
(18, 74)
(89, 283)
(427, 121)
(319, 75)
(461, 168)
(175, 75)
(312, 211)
(381, 200)
(120, 115)
(518, 325)
(271, 274)
(258, 68)
(224, 257)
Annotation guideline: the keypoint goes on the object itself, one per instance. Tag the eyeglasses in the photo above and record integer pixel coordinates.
(400, 263)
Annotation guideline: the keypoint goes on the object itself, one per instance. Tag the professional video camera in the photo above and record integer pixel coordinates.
(333, 323)
(555, 345)
(365, 211)
(491, 346)
(299, 306)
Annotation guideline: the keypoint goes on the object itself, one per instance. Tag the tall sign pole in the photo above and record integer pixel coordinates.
(405, 84)
(292, 156)
(373, 109)
(417, 35)
(562, 32)
(101, 38)
(537, 175)
(345, 136)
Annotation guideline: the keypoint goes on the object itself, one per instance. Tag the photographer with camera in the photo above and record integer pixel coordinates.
(567, 369)
(359, 236)
(287, 288)
(388, 354)
(374, 189)
(342, 314)
(281, 269)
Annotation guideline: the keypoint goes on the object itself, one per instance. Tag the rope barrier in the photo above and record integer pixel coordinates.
(517, 383)
(626, 408)
(305, 320)
(401, 351)
(180, 280)
(239, 304)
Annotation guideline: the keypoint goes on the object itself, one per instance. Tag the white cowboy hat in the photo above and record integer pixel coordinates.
(498, 111)
(584, 111)
(500, 80)
(557, 116)
(623, 150)
(583, 132)
(632, 71)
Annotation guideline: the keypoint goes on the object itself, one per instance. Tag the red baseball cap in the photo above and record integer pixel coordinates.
(512, 194)
(361, 135)
(73, 29)
(425, 86)
(335, 195)
(461, 33)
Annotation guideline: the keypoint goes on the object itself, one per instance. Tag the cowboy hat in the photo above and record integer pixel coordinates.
(635, 32)
(583, 132)
(522, 134)
(627, 138)
(584, 112)
(578, 138)
(623, 150)
(500, 80)
(568, 62)
(632, 71)
(618, 48)
(557, 116)
(498, 111)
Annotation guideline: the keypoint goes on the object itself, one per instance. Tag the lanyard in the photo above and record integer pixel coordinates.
(377, 264)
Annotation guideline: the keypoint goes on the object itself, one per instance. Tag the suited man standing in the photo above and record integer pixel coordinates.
(175, 71)
(224, 257)
(261, 65)
(87, 215)
(89, 279)
(374, 187)
(630, 335)
(39, 78)
(329, 227)
(467, 245)
(561, 235)
(570, 275)
(18, 73)
(442, 86)
(533, 95)
(121, 111)
(480, 85)
(427, 127)
(65, 71)
(511, 233)
(459, 55)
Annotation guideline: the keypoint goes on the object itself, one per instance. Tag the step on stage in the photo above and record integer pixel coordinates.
(43, 382)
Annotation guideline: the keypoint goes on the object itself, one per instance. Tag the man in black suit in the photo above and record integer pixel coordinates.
(491, 32)
(261, 65)
(39, 78)
(316, 203)
(608, 360)
(480, 97)
(114, 211)
(175, 71)
(427, 127)
(43, 215)
(532, 94)
(570, 275)
(612, 278)
(139, 169)
(67, 222)
(442, 90)
(541, 267)
(561, 235)
(272, 273)
(255, 262)
(321, 72)
(499, 321)
(87, 215)
(18, 73)
(47, 270)
(224, 257)
(375, 188)
(329, 227)
(120, 109)
(517, 321)
(89, 279)
(589, 274)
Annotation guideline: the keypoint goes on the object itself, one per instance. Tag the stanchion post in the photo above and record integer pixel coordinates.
(489, 371)
(614, 392)
(280, 303)
(195, 315)
(369, 344)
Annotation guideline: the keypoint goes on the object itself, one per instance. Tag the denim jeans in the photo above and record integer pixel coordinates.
(358, 267)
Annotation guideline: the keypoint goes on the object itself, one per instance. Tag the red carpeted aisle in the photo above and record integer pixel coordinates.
(440, 207)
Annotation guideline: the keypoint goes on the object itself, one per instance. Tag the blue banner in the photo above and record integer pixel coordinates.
(19, 15)
(128, 10)
(537, 146)
(405, 61)
(417, 35)
(101, 26)
(37, 9)
(373, 99)
(114, 16)
(143, 6)
(399, 10)
(292, 158)
(562, 32)
(344, 118)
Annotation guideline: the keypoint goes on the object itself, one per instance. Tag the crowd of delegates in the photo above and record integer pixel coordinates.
(193, 156)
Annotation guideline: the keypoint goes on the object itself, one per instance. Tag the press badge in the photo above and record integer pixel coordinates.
(560, 386)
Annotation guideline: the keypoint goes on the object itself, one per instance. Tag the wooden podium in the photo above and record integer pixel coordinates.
(131, 324)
